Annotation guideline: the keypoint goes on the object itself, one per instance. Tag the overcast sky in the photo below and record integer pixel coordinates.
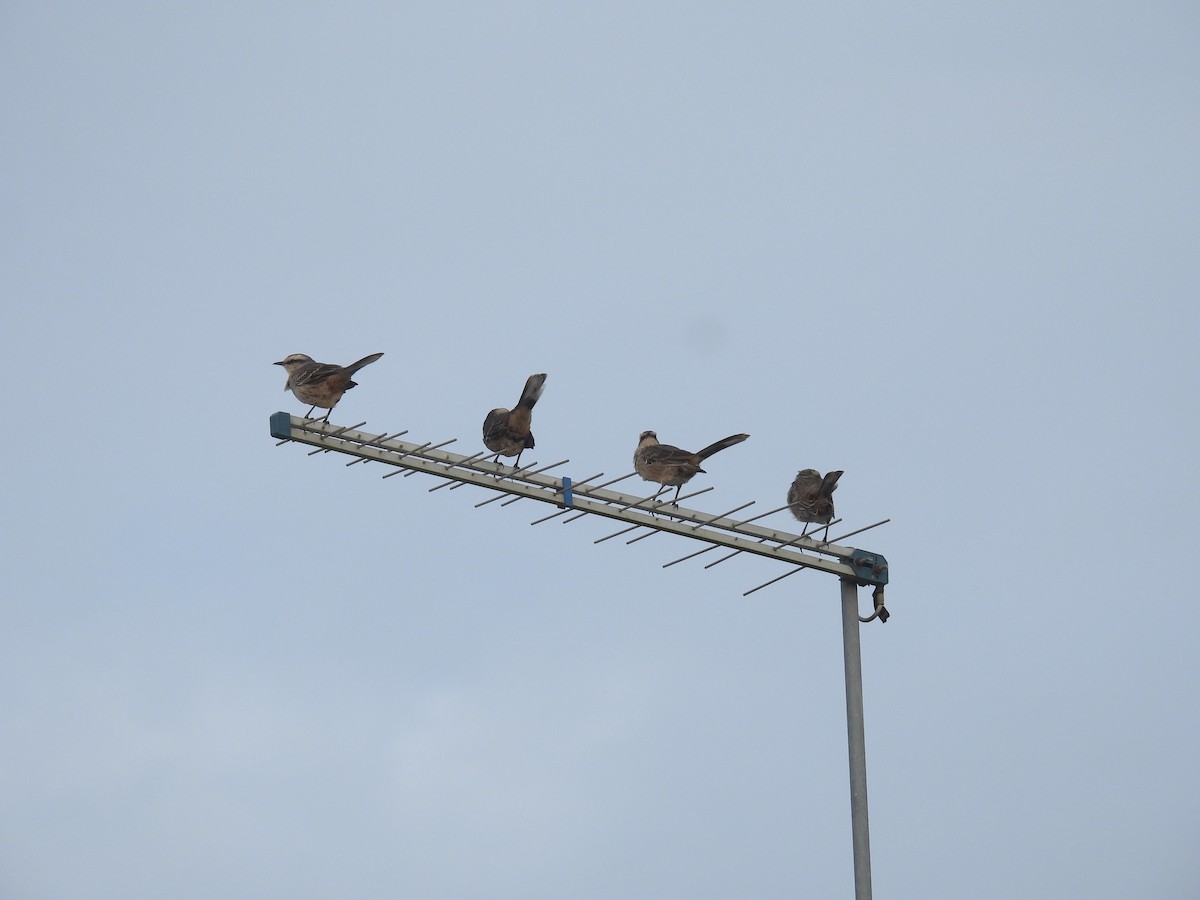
(949, 249)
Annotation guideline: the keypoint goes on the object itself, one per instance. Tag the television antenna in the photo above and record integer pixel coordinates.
(645, 517)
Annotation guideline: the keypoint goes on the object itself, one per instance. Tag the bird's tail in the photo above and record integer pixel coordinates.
(829, 483)
(365, 361)
(720, 445)
(533, 391)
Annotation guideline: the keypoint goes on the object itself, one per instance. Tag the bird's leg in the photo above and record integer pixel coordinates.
(650, 504)
(308, 415)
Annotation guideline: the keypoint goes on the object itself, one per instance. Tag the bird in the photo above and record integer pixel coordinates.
(506, 431)
(320, 384)
(670, 466)
(810, 497)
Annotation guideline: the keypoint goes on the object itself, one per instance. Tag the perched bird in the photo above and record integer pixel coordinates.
(670, 466)
(506, 431)
(810, 497)
(320, 384)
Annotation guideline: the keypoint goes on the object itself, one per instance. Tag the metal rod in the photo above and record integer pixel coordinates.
(617, 533)
(379, 440)
(737, 525)
(554, 515)
(429, 447)
(690, 555)
(562, 512)
(773, 580)
(642, 537)
(857, 531)
(614, 481)
(660, 505)
(584, 481)
(339, 431)
(690, 496)
(371, 442)
(561, 462)
(500, 496)
(463, 464)
(407, 453)
(364, 442)
(649, 499)
(856, 741)
(524, 470)
(801, 537)
(327, 429)
(722, 515)
(723, 558)
(763, 541)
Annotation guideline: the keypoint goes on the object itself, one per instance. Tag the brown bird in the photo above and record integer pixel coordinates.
(670, 466)
(506, 432)
(320, 384)
(810, 497)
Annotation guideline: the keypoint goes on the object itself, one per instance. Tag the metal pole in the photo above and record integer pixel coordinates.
(856, 742)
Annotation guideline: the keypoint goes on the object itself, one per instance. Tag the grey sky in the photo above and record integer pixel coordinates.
(950, 250)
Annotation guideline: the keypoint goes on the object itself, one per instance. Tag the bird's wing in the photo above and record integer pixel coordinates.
(495, 424)
(315, 373)
(804, 489)
(663, 453)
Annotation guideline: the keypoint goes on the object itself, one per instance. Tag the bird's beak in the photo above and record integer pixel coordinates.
(280, 363)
